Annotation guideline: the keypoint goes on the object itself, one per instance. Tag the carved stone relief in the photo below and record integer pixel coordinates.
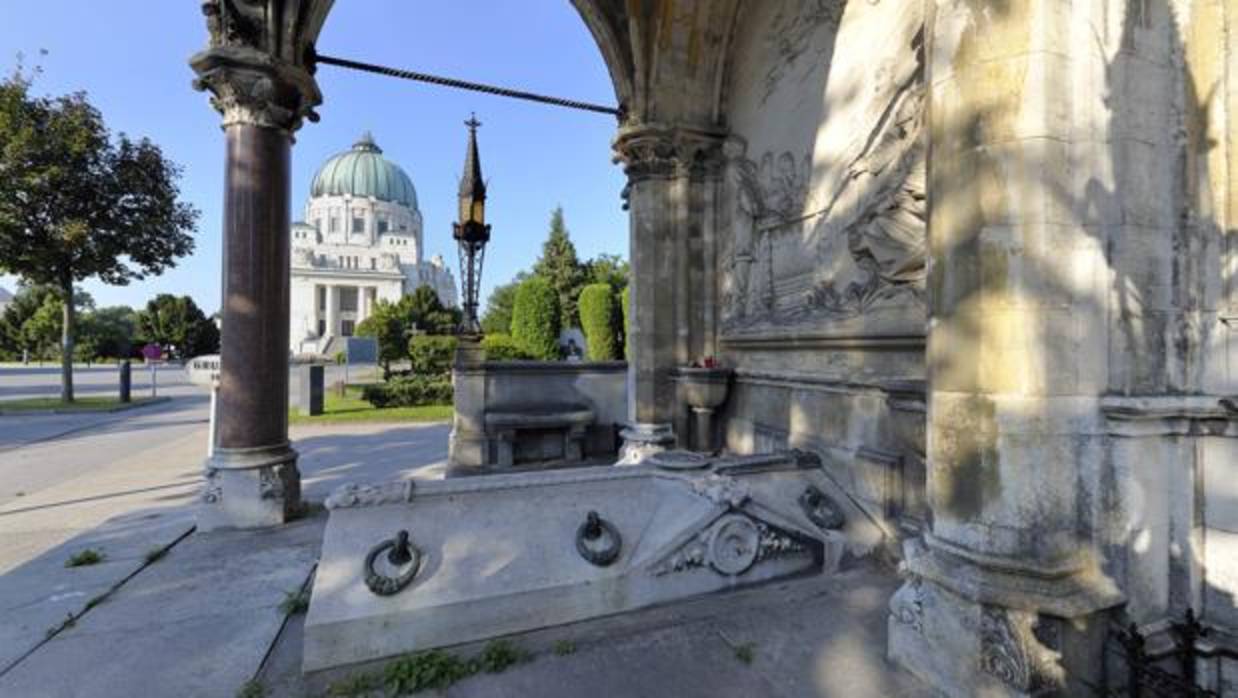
(810, 246)
(794, 34)
(731, 546)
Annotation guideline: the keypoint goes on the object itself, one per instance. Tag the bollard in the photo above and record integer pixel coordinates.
(210, 431)
(126, 381)
(310, 392)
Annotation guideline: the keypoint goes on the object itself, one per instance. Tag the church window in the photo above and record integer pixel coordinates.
(333, 225)
(358, 224)
(382, 225)
(348, 300)
(373, 264)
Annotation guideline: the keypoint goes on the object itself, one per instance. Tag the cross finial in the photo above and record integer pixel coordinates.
(472, 123)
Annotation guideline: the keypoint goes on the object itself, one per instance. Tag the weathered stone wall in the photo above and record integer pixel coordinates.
(821, 241)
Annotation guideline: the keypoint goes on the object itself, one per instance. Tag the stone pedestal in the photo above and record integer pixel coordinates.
(643, 440)
(467, 447)
(256, 73)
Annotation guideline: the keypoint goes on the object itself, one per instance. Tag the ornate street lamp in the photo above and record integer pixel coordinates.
(471, 232)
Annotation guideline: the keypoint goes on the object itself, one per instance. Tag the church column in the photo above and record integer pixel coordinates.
(333, 310)
(662, 166)
(256, 74)
(1005, 595)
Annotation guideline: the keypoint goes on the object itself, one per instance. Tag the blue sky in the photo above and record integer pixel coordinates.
(130, 57)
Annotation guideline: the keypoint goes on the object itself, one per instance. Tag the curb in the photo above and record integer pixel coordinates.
(119, 408)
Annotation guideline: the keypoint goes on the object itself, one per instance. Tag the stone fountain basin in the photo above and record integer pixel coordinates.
(704, 388)
(500, 554)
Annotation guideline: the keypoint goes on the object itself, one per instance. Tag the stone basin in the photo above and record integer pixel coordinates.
(704, 388)
(510, 553)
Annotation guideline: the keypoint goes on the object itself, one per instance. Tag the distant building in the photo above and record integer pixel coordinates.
(361, 241)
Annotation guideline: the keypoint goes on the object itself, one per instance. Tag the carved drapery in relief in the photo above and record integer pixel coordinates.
(802, 253)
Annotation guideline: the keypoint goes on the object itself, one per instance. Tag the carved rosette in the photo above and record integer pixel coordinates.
(1020, 649)
(260, 63)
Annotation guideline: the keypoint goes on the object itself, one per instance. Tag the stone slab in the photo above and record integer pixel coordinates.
(196, 623)
(500, 557)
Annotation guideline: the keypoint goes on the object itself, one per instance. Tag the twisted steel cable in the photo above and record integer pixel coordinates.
(617, 112)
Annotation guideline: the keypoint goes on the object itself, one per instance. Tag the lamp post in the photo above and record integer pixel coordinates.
(471, 232)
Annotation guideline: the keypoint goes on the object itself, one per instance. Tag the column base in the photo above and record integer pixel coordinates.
(250, 488)
(1001, 642)
(643, 440)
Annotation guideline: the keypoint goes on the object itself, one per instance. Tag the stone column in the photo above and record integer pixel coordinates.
(1005, 592)
(662, 165)
(255, 71)
(333, 311)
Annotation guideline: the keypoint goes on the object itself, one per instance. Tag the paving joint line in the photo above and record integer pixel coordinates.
(95, 601)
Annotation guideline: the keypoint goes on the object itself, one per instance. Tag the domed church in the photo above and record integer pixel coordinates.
(360, 241)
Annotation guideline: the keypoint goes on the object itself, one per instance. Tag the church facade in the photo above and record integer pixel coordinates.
(361, 241)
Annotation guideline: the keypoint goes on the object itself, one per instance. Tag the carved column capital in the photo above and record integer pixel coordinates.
(661, 152)
(260, 63)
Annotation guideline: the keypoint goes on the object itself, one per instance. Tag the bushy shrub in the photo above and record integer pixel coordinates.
(598, 316)
(412, 391)
(431, 355)
(535, 319)
(501, 347)
(625, 300)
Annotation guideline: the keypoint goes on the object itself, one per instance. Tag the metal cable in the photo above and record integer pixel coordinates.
(465, 85)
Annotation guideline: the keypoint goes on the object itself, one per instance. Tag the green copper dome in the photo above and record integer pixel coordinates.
(363, 171)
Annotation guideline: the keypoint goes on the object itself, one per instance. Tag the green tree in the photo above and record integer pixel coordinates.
(610, 269)
(535, 319)
(177, 324)
(498, 316)
(558, 266)
(41, 330)
(76, 203)
(26, 302)
(427, 314)
(625, 306)
(599, 317)
(431, 355)
(393, 323)
(388, 325)
(110, 331)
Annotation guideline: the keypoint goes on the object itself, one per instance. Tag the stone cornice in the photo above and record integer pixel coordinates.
(1196, 415)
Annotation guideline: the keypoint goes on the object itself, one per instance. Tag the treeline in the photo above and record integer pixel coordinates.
(523, 318)
(31, 327)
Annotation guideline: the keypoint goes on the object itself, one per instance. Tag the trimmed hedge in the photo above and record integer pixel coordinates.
(501, 347)
(625, 300)
(431, 355)
(598, 313)
(535, 319)
(412, 391)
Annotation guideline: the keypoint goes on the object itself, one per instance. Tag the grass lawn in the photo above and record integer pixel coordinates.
(81, 404)
(351, 408)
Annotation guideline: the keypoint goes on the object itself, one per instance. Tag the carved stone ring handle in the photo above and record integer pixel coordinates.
(598, 541)
(402, 556)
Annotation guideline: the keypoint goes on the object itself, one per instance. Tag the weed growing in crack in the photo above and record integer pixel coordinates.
(746, 652)
(82, 558)
(434, 669)
(565, 647)
(295, 602)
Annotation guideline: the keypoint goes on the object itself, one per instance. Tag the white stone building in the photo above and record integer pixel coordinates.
(360, 241)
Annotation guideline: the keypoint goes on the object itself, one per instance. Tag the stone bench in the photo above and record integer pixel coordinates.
(566, 425)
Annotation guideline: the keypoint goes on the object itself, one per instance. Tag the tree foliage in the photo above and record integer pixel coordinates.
(501, 347)
(498, 316)
(609, 269)
(76, 203)
(393, 323)
(625, 303)
(535, 318)
(559, 266)
(177, 325)
(599, 318)
(431, 355)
